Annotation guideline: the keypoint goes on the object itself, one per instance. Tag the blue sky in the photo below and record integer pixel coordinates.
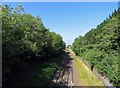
(69, 19)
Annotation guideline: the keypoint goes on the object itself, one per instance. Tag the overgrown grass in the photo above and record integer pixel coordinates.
(87, 78)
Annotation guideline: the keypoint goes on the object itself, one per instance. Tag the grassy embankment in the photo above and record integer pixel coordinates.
(85, 74)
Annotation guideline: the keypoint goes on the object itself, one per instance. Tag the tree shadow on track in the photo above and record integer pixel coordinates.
(61, 75)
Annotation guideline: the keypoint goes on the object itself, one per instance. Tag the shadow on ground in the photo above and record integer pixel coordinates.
(62, 75)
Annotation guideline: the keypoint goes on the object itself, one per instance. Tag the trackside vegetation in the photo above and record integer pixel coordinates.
(86, 76)
(26, 41)
(100, 47)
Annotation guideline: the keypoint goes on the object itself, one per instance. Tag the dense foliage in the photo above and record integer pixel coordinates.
(100, 47)
(25, 39)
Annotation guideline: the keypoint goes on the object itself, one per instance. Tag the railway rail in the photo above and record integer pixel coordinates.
(64, 75)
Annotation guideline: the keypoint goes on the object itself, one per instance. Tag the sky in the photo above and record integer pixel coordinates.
(60, 0)
(69, 19)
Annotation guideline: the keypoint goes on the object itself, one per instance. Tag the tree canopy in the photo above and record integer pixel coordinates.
(26, 39)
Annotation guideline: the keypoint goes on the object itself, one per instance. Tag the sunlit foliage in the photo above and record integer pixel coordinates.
(100, 47)
(25, 39)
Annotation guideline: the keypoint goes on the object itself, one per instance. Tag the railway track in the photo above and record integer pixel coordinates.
(64, 75)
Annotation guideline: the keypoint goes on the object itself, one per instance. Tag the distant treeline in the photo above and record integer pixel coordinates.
(101, 47)
(26, 40)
